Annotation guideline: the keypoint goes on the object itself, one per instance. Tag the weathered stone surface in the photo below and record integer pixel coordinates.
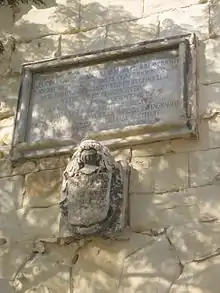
(122, 155)
(108, 11)
(155, 6)
(214, 19)
(185, 20)
(5, 113)
(29, 224)
(204, 167)
(153, 211)
(199, 277)
(209, 64)
(5, 167)
(151, 149)
(133, 31)
(5, 54)
(93, 199)
(6, 20)
(150, 174)
(150, 269)
(209, 99)
(42, 189)
(55, 19)
(9, 87)
(11, 190)
(52, 162)
(24, 167)
(176, 209)
(43, 273)
(83, 42)
(39, 49)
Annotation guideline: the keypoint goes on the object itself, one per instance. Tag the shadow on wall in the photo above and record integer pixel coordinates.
(144, 262)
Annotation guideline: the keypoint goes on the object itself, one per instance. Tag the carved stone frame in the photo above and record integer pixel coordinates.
(185, 44)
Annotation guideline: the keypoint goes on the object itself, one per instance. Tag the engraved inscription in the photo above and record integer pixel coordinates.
(112, 95)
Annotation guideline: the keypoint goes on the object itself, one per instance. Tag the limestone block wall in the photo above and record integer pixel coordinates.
(172, 243)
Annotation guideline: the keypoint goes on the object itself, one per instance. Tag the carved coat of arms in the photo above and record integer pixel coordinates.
(93, 194)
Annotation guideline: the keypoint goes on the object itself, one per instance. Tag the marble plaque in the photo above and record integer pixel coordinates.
(110, 99)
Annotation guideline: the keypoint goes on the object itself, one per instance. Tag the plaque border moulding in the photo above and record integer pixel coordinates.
(185, 44)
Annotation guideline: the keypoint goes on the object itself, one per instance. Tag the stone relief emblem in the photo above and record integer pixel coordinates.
(93, 193)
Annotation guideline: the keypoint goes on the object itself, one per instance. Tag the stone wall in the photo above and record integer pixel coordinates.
(173, 242)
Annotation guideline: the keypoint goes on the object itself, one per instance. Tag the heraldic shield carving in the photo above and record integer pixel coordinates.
(93, 193)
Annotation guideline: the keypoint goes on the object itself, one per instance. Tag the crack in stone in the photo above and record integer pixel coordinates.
(207, 256)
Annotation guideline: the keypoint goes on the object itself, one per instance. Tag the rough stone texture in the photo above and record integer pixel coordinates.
(149, 174)
(150, 269)
(204, 167)
(108, 11)
(9, 87)
(155, 6)
(10, 194)
(83, 42)
(42, 189)
(214, 19)
(6, 130)
(134, 31)
(93, 197)
(185, 20)
(50, 163)
(39, 49)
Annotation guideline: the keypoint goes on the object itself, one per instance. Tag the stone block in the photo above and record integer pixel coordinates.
(6, 45)
(209, 99)
(214, 19)
(41, 274)
(150, 269)
(156, 211)
(201, 276)
(22, 168)
(122, 155)
(38, 22)
(42, 189)
(83, 42)
(155, 6)
(9, 88)
(30, 224)
(36, 50)
(151, 149)
(108, 11)
(208, 61)
(133, 31)
(6, 130)
(11, 193)
(186, 20)
(159, 174)
(204, 167)
(51, 163)
(6, 20)
(5, 167)
(5, 286)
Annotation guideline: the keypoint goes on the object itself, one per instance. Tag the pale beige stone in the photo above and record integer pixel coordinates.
(9, 88)
(122, 155)
(42, 189)
(199, 277)
(30, 224)
(38, 22)
(150, 269)
(100, 263)
(209, 61)
(156, 211)
(5, 55)
(209, 98)
(185, 20)
(6, 129)
(6, 20)
(108, 11)
(151, 149)
(36, 50)
(162, 173)
(191, 206)
(11, 190)
(133, 31)
(24, 167)
(155, 6)
(195, 240)
(83, 42)
(204, 167)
